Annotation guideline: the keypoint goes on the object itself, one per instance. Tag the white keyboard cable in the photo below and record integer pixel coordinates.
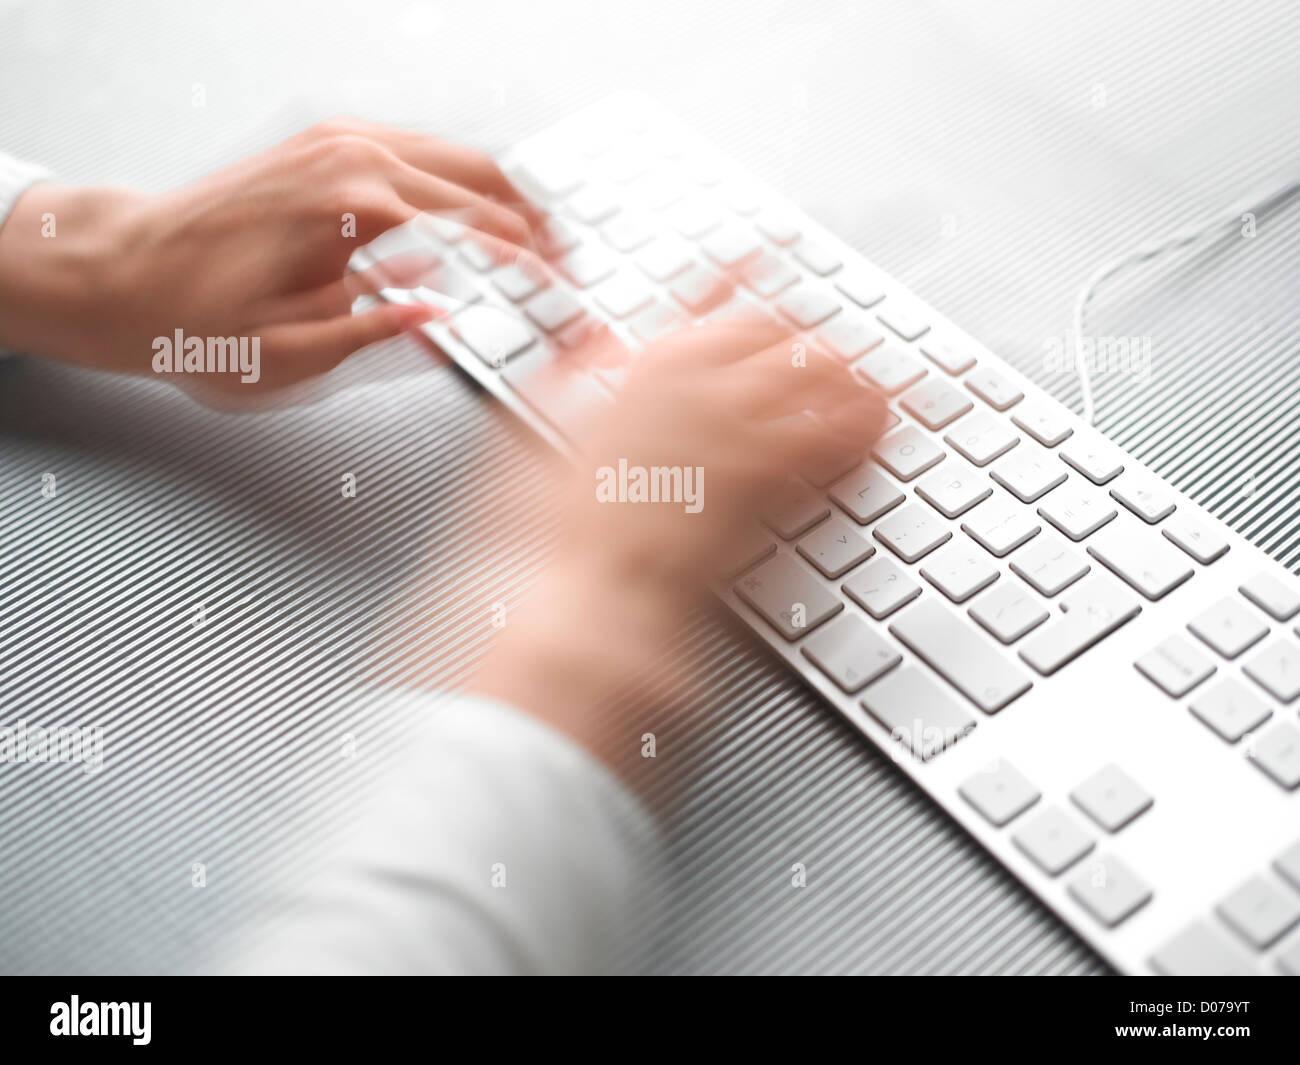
(1254, 204)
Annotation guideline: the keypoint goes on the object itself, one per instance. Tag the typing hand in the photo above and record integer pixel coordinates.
(106, 277)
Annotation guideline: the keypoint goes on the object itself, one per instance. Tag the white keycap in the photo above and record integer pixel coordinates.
(1268, 593)
(1008, 611)
(993, 388)
(1277, 669)
(960, 571)
(517, 282)
(907, 453)
(905, 321)
(1049, 567)
(586, 265)
(656, 320)
(835, 547)
(693, 217)
(594, 204)
(1112, 798)
(1141, 558)
(478, 256)
(981, 438)
(777, 228)
(999, 792)
(1109, 890)
(1230, 709)
(1277, 753)
(1045, 423)
(889, 369)
(849, 335)
(807, 305)
(794, 509)
(1288, 865)
(730, 244)
(1077, 511)
(1000, 526)
(1198, 950)
(1095, 459)
(917, 712)
(912, 532)
(1259, 912)
(1094, 610)
(950, 357)
(553, 308)
(567, 399)
(1228, 627)
(1175, 666)
(880, 588)
(788, 596)
(850, 653)
(1198, 540)
(751, 547)
(667, 257)
(1028, 473)
(494, 335)
(698, 289)
(1148, 500)
(1053, 841)
(817, 257)
(935, 403)
(768, 275)
(624, 294)
(866, 493)
(629, 231)
(861, 287)
(552, 176)
(953, 489)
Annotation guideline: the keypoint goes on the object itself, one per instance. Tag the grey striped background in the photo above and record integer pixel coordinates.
(957, 144)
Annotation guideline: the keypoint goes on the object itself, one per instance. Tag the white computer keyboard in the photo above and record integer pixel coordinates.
(1095, 677)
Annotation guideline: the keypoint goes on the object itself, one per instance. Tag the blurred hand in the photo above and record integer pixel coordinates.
(94, 275)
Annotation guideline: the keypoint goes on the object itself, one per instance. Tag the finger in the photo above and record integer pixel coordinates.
(717, 344)
(788, 377)
(302, 348)
(325, 301)
(801, 441)
(427, 192)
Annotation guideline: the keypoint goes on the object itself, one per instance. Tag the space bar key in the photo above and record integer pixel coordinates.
(961, 656)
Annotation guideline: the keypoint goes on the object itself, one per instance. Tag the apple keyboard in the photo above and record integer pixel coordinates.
(1090, 673)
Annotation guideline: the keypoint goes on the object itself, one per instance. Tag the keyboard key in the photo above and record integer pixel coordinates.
(1053, 841)
(951, 358)
(817, 257)
(730, 244)
(1097, 461)
(478, 256)
(768, 275)
(629, 231)
(777, 228)
(999, 792)
(889, 369)
(1000, 526)
(587, 265)
(656, 320)
(960, 571)
(935, 404)
(553, 308)
(1228, 627)
(1028, 474)
(752, 546)
(1197, 540)
(1288, 959)
(881, 587)
(807, 305)
(918, 713)
(860, 287)
(1146, 499)
(1111, 798)
(981, 438)
(494, 335)
(667, 257)
(823, 471)
(698, 289)
(1199, 951)
(850, 653)
(912, 532)
(1008, 612)
(866, 494)
(848, 336)
(953, 489)
(624, 294)
(1273, 597)
(568, 399)
(1096, 609)
(1230, 709)
(993, 388)
(1259, 912)
(835, 548)
(551, 176)
(1044, 422)
(959, 654)
(1277, 670)
(795, 509)
(693, 217)
(1288, 865)
(1049, 567)
(788, 597)
(907, 453)
(1076, 511)
(517, 282)
(1175, 666)
(904, 321)
(1277, 753)
(1147, 563)
(1109, 890)
(594, 204)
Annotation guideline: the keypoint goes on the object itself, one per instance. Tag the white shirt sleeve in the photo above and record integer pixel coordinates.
(499, 846)
(16, 177)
